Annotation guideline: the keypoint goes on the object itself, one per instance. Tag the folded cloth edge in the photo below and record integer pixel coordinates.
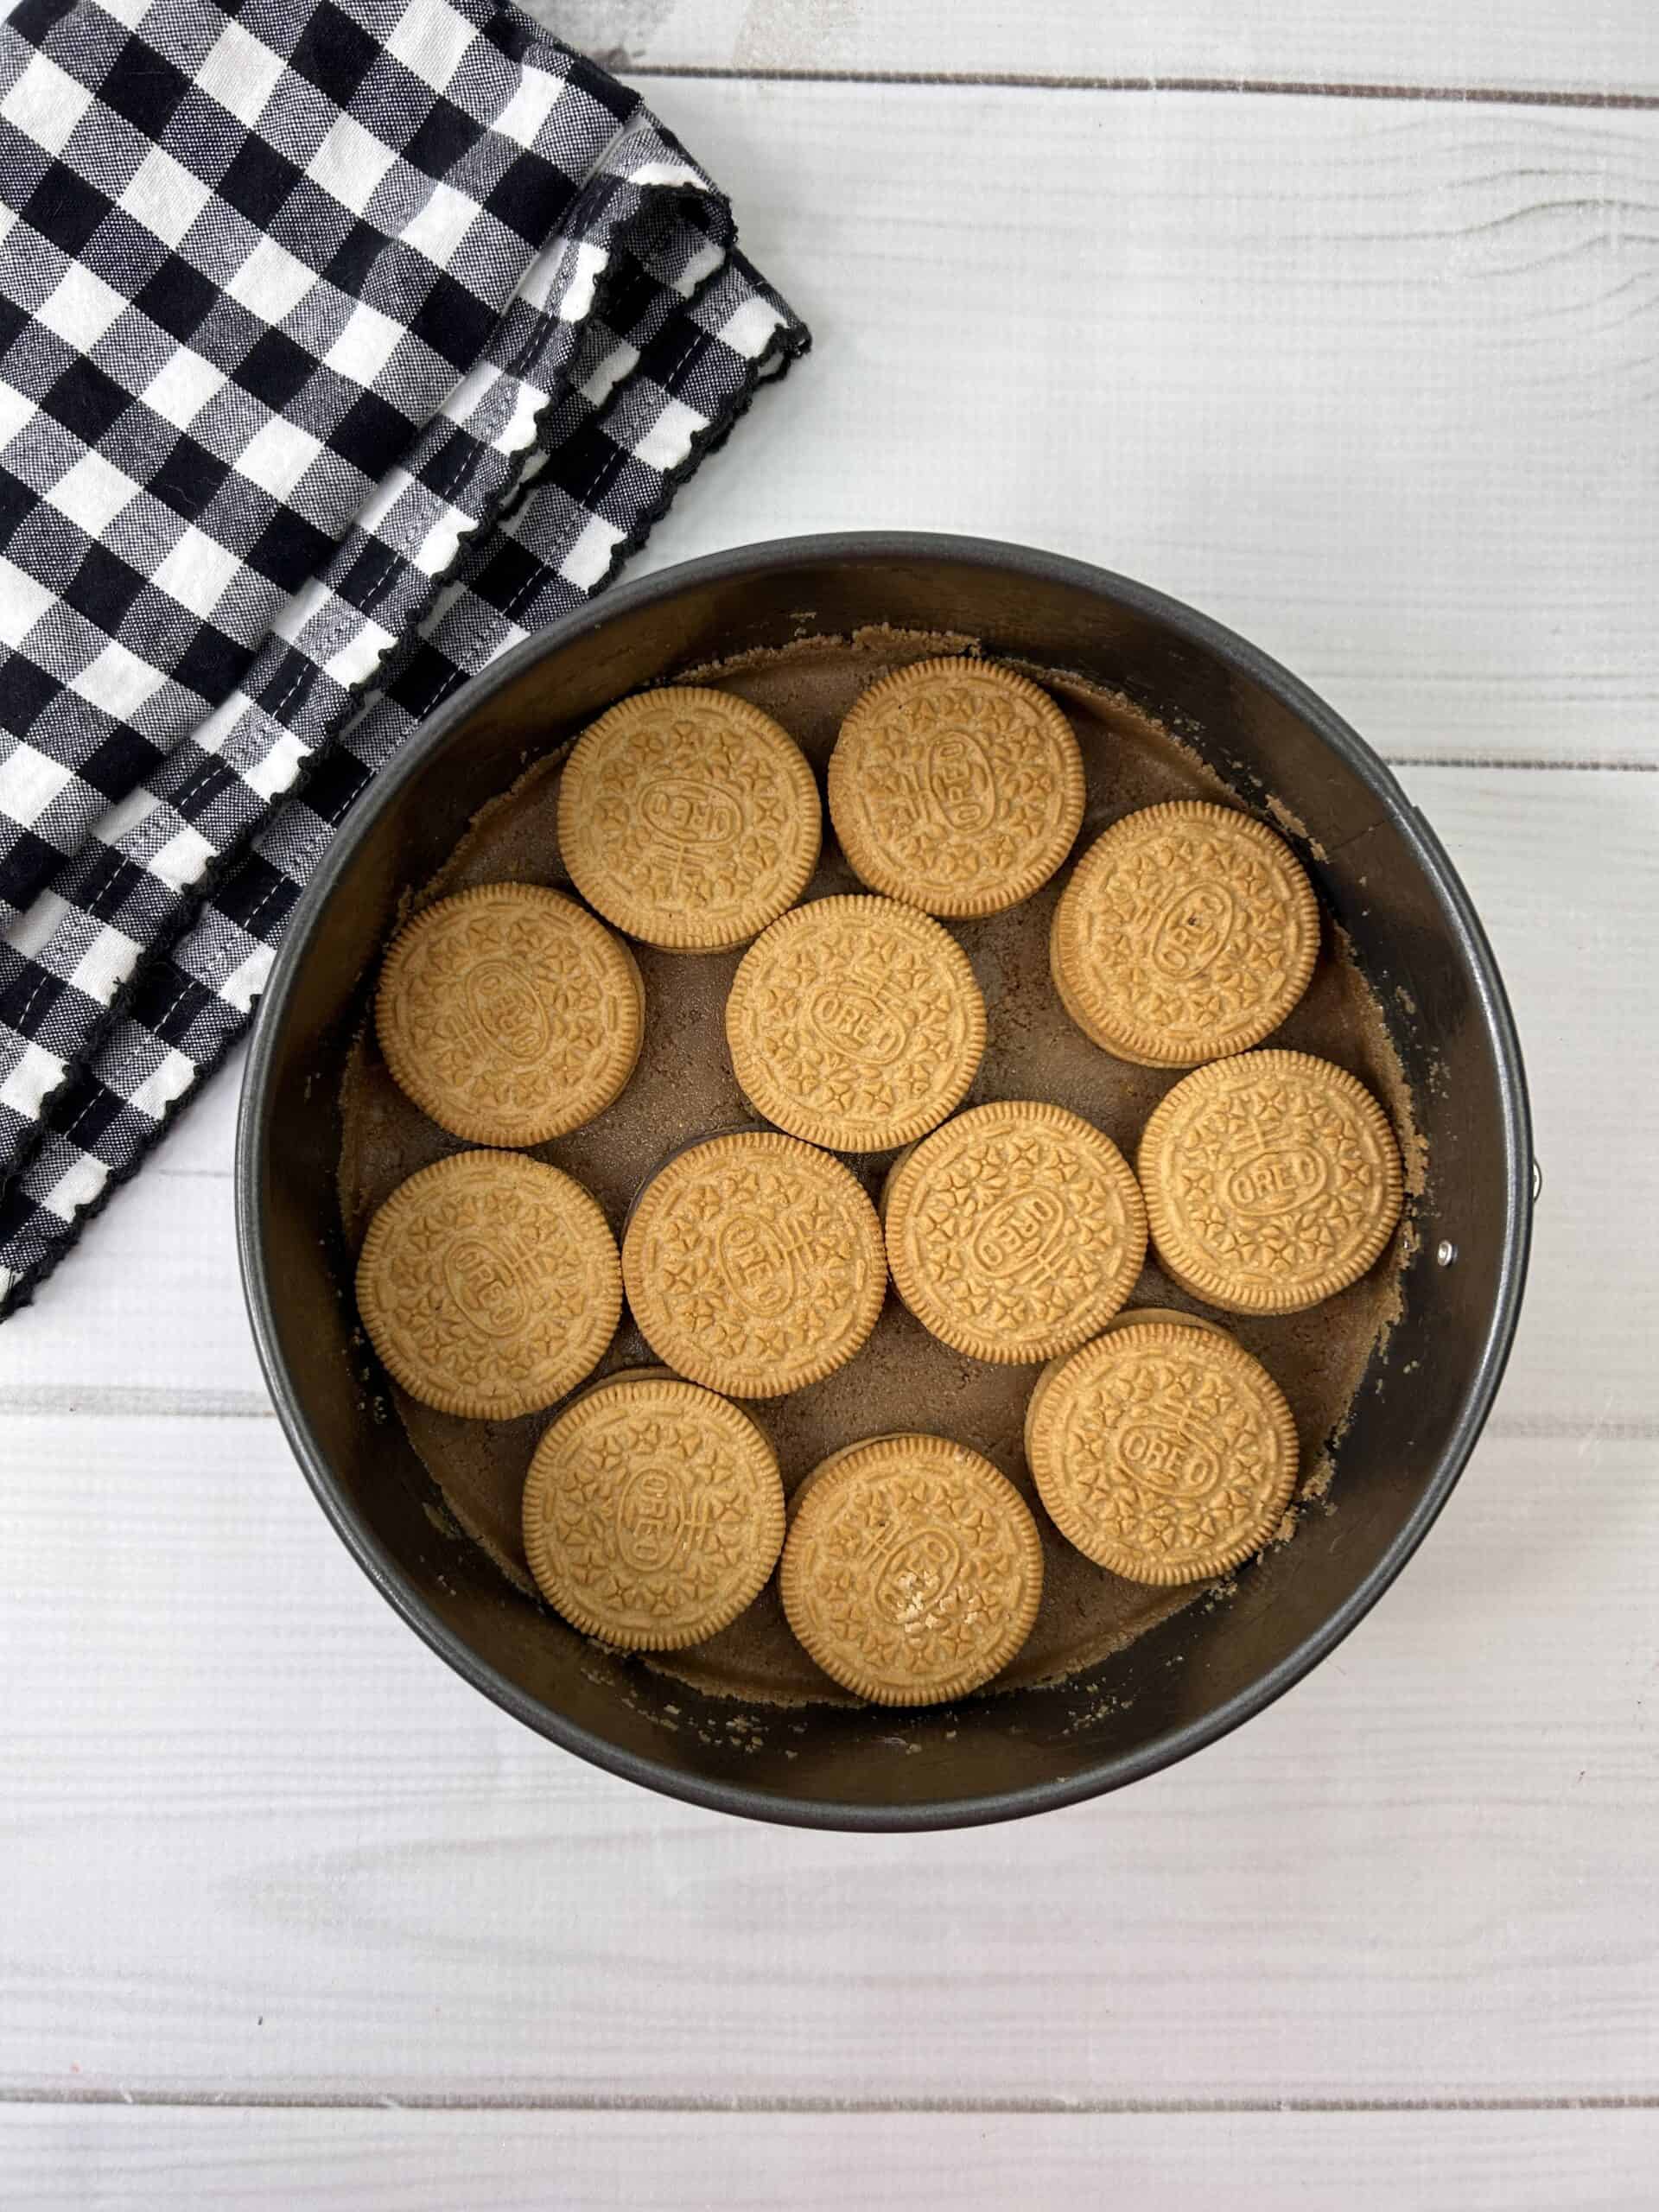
(55, 1188)
(34, 1238)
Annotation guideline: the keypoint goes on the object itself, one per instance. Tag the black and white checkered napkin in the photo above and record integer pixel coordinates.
(343, 343)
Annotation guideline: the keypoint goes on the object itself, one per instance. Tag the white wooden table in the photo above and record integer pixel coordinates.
(1340, 319)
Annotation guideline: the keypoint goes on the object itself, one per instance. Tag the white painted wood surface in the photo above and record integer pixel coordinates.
(678, 2161)
(1375, 380)
(1605, 48)
(1372, 381)
(259, 1841)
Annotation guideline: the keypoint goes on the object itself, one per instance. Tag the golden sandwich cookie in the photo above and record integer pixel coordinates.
(1272, 1181)
(509, 1014)
(913, 1570)
(1165, 1454)
(654, 1512)
(489, 1285)
(855, 1023)
(1016, 1231)
(1187, 933)
(956, 786)
(754, 1264)
(688, 818)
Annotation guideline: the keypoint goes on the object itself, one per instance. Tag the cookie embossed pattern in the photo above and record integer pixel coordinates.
(688, 818)
(1272, 1180)
(956, 786)
(1165, 1453)
(754, 1264)
(855, 1023)
(489, 1285)
(509, 1014)
(654, 1512)
(913, 1570)
(1016, 1231)
(1187, 933)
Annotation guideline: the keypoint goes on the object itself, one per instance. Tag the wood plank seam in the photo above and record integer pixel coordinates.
(1493, 760)
(1036, 81)
(742, 2108)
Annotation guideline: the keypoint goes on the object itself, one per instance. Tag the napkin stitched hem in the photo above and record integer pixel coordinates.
(516, 486)
(792, 341)
(623, 336)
